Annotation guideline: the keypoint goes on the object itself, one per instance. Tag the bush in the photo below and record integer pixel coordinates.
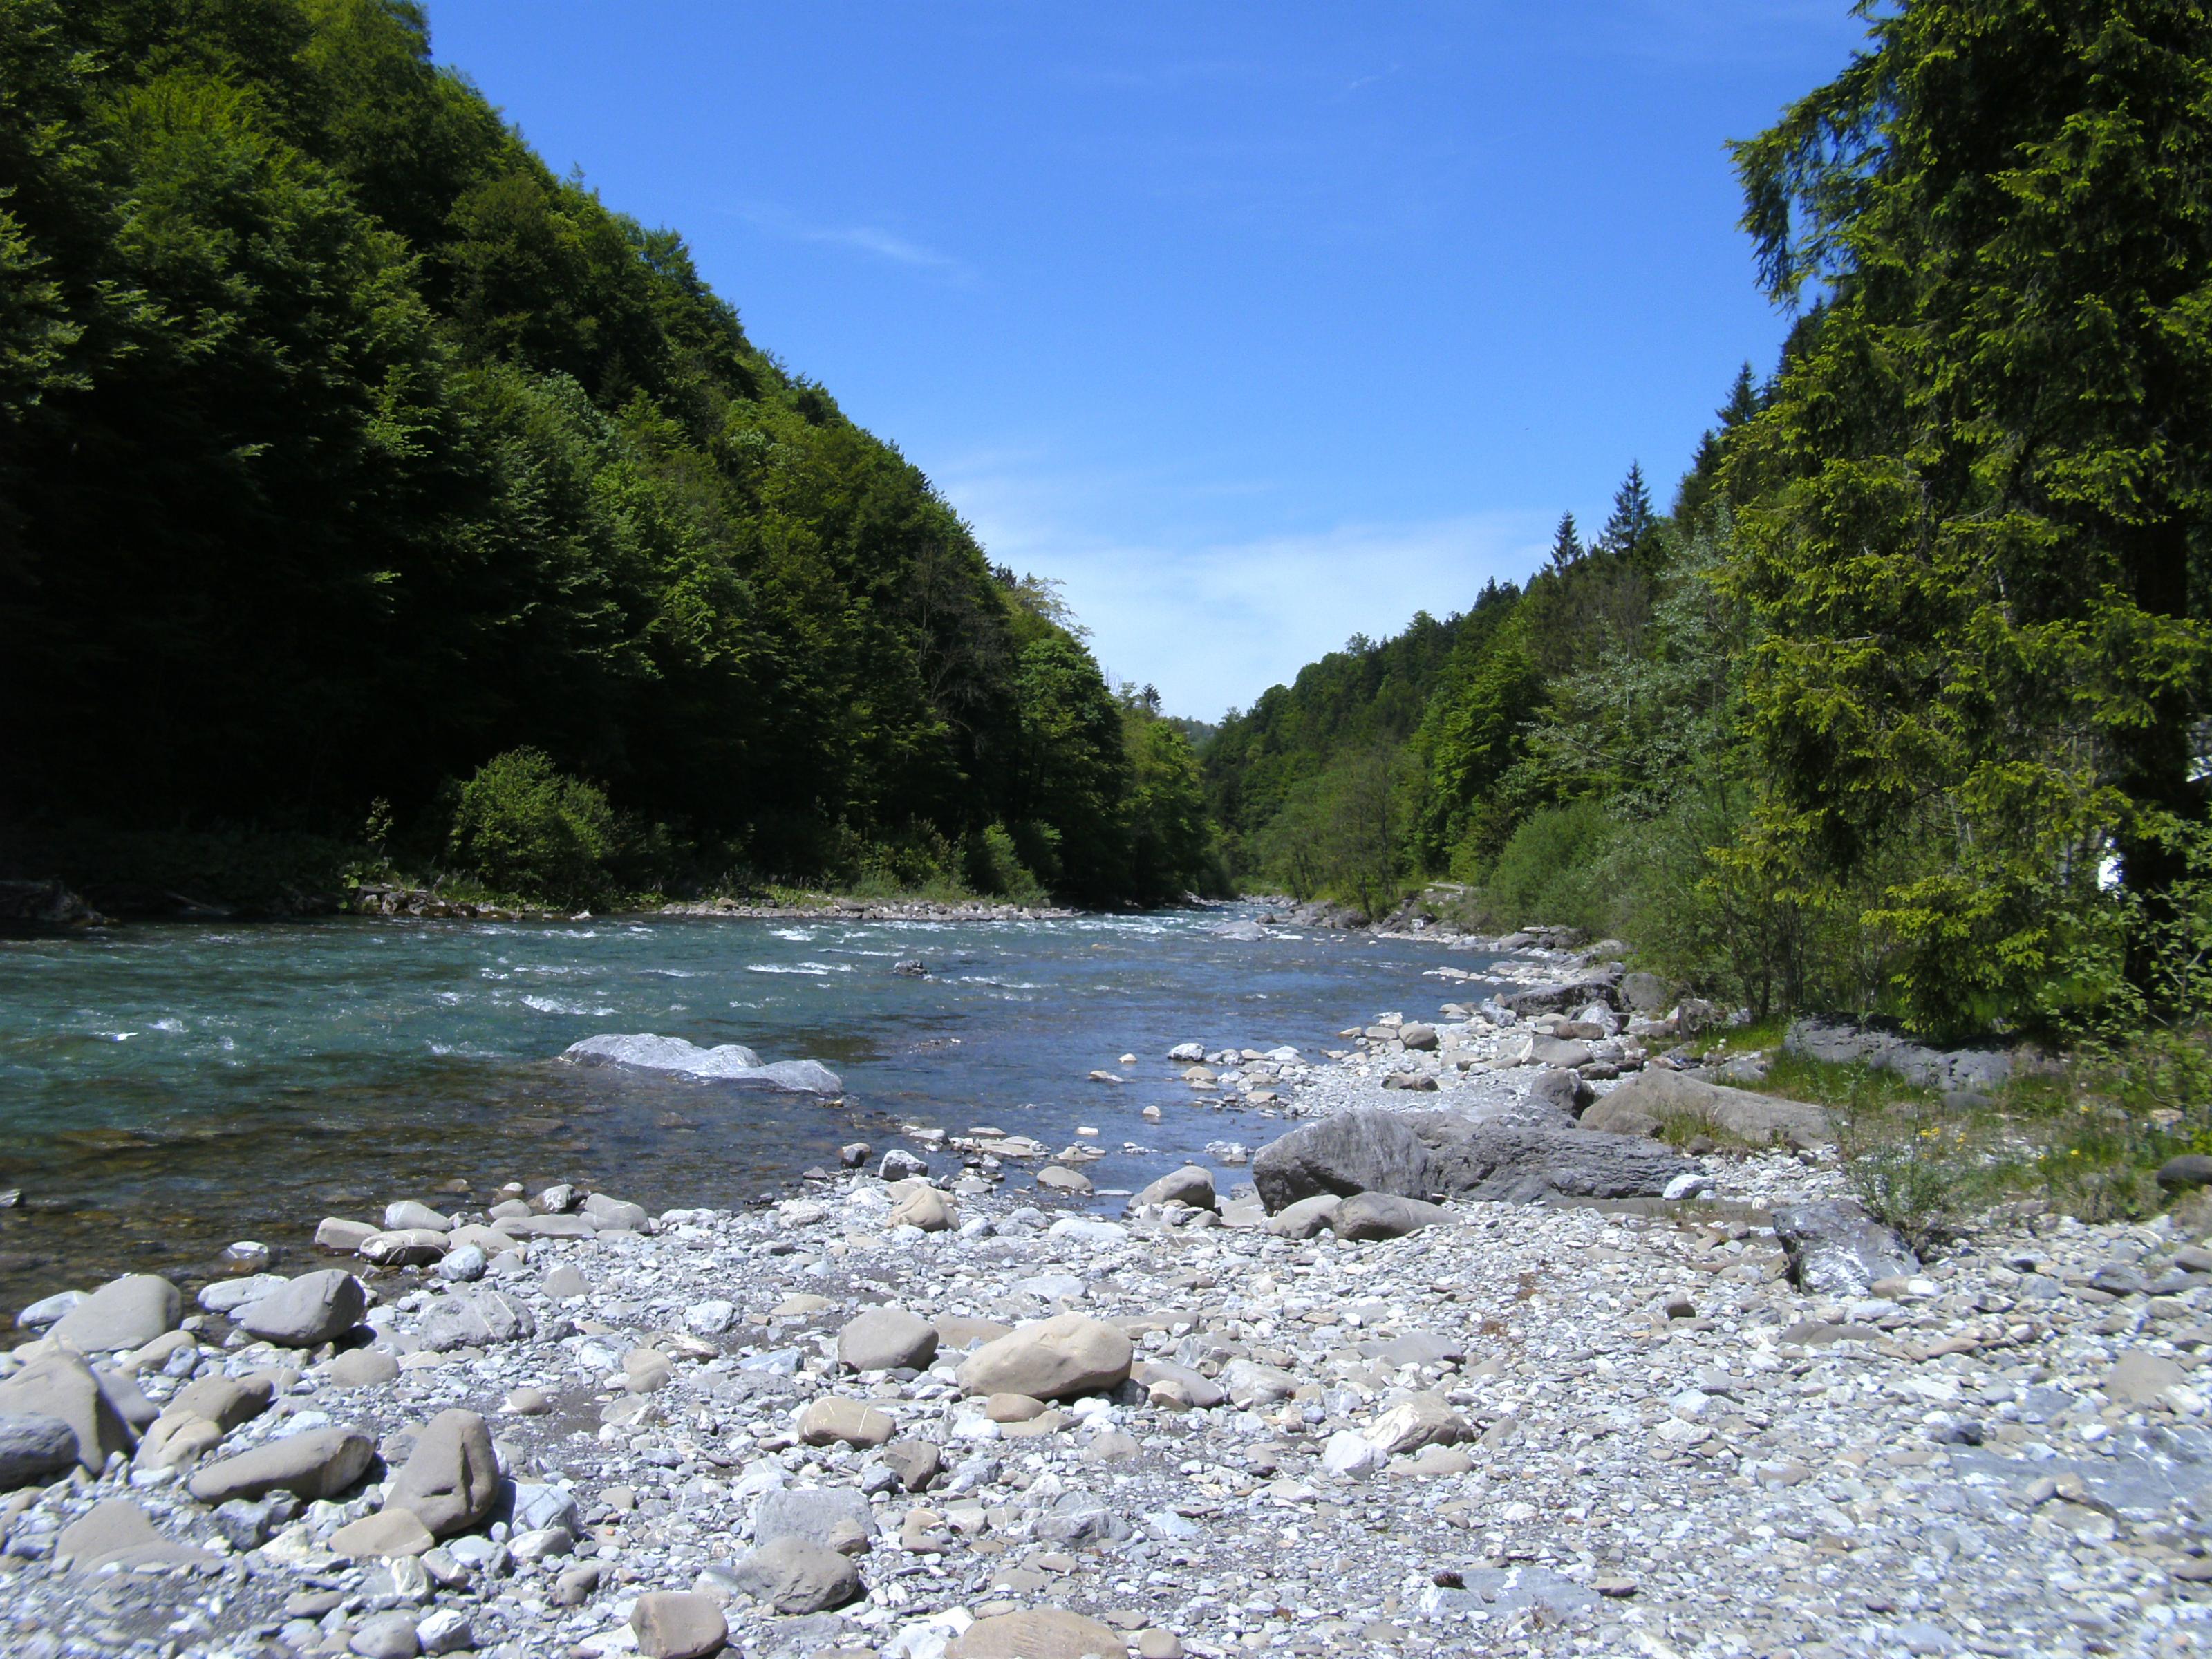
(522, 826)
(1553, 869)
(994, 867)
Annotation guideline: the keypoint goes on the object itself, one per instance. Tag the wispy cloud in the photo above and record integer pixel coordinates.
(872, 239)
(1213, 621)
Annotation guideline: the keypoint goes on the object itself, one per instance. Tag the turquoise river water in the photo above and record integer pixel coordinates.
(167, 1089)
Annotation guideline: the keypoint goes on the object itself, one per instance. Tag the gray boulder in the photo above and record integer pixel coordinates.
(451, 1478)
(1836, 1248)
(794, 1576)
(886, 1339)
(319, 1463)
(60, 1384)
(1384, 1215)
(1189, 1185)
(1603, 986)
(125, 1313)
(614, 1214)
(1646, 993)
(33, 1448)
(1359, 1152)
(838, 1518)
(1646, 1102)
(1305, 1218)
(1565, 1091)
(1843, 1043)
(310, 1310)
(477, 1319)
(1519, 1162)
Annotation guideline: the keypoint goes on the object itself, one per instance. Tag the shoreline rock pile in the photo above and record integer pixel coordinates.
(912, 1414)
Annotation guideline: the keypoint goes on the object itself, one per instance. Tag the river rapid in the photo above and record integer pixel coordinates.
(165, 1090)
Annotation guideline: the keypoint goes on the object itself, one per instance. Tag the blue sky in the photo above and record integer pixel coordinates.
(1257, 326)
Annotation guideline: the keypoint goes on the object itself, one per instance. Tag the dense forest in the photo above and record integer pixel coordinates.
(1901, 707)
(361, 479)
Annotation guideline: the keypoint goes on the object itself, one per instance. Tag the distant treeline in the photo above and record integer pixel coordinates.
(1902, 707)
(344, 449)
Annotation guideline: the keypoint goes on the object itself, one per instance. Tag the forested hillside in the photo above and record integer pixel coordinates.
(344, 450)
(1902, 707)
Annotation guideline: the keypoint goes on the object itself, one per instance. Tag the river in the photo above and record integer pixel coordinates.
(167, 1089)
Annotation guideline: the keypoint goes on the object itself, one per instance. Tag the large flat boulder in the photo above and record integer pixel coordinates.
(308, 1311)
(1055, 1359)
(1647, 1103)
(125, 1313)
(319, 1463)
(1360, 1151)
(1515, 1157)
(59, 1384)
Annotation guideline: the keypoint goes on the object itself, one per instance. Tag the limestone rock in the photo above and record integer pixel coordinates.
(794, 1576)
(361, 1368)
(831, 1419)
(406, 1247)
(319, 1463)
(451, 1478)
(390, 1532)
(837, 1518)
(1189, 1185)
(60, 1384)
(119, 1532)
(928, 1209)
(1358, 1152)
(1305, 1218)
(1038, 1633)
(125, 1313)
(1384, 1215)
(1423, 1419)
(1055, 1359)
(886, 1339)
(475, 1319)
(1650, 1100)
(2141, 1379)
(33, 1448)
(312, 1309)
(679, 1625)
(1835, 1248)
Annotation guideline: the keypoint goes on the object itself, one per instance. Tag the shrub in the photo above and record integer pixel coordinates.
(1551, 869)
(994, 867)
(524, 827)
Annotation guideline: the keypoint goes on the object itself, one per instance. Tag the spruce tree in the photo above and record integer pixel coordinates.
(1566, 545)
(1629, 529)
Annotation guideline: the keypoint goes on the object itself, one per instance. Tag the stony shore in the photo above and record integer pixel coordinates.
(925, 1409)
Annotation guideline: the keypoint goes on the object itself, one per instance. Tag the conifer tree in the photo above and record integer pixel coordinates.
(1566, 545)
(1633, 521)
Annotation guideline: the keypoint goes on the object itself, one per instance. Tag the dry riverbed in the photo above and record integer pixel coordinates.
(1556, 1428)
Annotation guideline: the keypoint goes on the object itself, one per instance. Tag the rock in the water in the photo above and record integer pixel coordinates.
(60, 1384)
(730, 1062)
(1055, 1178)
(319, 1463)
(1358, 1152)
(475, 1319)
(1055, 1359)
(124, 1313)
(1651, 1099)
(33, 1448)
(407, 1213)
(837, 1518)
(679, 1625)
(1189, 1185)
(414, 1246)
(1836, 1248)
(1384, 1215)
(312, 1309)
(451, 1477)
(794, 1576)
(1038, 1633)
(885, 1339)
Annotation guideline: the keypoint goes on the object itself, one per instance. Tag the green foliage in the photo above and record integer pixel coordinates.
(523, 827)
(343, 446)
(1972, 509)
(1553, 869)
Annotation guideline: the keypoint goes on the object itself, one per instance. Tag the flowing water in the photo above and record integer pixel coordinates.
(167, 1089)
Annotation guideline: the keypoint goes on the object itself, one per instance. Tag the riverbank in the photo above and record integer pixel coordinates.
(1564, 1427)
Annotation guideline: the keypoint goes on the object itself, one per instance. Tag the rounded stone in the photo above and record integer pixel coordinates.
(679, 1625)
(125, 1313)
(310, 1310)
(1055, 1359)
(886, 1339)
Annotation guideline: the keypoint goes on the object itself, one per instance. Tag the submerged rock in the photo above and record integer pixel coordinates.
(728, 1062)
